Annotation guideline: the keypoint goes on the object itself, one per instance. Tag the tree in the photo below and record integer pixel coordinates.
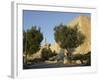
(24, 40)
(68, 38)
(31, 40)
(46, 53)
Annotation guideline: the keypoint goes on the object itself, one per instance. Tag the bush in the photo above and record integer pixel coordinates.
(83, 57)
(46, 53)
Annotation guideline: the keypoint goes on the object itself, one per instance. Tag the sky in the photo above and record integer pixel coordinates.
(47, 20)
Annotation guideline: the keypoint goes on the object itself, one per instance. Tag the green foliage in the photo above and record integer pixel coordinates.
(68, 38)
(88, 58)
(83, 57)
(77, 57)
(31, 40)
(24, 40)
(54, 53)
(47, 53)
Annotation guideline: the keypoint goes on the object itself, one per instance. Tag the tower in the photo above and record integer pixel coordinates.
(45, 41)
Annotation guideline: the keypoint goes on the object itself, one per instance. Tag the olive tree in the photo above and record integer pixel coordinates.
(31, 40)
(68, 38)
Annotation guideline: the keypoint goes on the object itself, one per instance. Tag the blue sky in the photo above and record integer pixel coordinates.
(47, 20)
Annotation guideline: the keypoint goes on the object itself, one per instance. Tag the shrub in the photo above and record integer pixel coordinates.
(46, 53)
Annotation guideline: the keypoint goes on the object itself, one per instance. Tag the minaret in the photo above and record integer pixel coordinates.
(46, 44)
(45, 41)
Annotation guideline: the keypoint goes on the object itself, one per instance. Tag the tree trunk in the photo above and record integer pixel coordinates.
(69, 54)
(82, 62)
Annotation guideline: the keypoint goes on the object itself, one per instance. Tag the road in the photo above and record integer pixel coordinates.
(57, 65)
